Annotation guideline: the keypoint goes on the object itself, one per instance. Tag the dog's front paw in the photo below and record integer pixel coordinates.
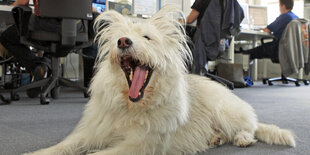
(47, 151)
(101, 153)
(34, 153)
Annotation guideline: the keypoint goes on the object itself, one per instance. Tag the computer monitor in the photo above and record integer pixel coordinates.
(122, 8)
(246, 20)
(100, 5)
(177, 3)
(145, 7)
(258, 15)
(7, 2)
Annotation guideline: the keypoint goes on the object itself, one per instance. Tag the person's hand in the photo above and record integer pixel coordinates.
(14, 4)
(266, 30)
(93, 9)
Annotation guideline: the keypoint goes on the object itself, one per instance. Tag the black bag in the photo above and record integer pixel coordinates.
(233, 73)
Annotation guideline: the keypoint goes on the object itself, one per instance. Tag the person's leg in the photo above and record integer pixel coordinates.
(3, 51)
(11, 42)
(268, 50)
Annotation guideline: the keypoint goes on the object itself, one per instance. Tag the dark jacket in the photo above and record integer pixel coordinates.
(221, 19)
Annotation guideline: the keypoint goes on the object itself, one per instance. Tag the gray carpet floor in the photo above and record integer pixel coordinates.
(26, 125)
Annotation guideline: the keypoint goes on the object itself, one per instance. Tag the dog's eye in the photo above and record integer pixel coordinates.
(147, 37)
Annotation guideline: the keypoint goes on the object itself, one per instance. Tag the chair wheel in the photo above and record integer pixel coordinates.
(14, 96)
(306, 82)
(4, 100)
(270, 83)
(86, 95)
(284, 81)
(231, 87)
(264, 81)
(297, 83)
(55, 92)
(44, 101)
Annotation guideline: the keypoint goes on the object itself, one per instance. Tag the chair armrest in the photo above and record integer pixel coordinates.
(21, 15)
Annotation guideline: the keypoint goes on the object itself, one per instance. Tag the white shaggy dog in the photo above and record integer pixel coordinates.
(143, 102)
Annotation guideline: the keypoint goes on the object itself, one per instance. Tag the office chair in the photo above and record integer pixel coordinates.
(283, 78)
(70, 13)
(11, 78)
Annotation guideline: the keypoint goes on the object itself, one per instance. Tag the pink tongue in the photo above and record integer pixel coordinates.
(137, 82)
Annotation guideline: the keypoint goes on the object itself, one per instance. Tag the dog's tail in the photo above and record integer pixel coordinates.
(272, 134)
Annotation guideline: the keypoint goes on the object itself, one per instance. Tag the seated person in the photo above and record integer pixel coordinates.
(198, 9)
(11, 42)
(270, 49)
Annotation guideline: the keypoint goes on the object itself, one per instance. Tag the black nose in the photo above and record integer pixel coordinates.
(124, 43)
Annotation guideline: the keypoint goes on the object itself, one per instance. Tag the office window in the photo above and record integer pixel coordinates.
(192, 2)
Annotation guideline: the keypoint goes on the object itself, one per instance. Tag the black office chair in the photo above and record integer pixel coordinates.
(70, 13)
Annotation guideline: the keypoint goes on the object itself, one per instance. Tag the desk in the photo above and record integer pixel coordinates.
(6, 8)
(254, 36)
(6, 15)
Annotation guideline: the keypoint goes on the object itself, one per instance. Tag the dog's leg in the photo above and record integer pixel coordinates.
(137, 142)
(244, 139)
(73, 144)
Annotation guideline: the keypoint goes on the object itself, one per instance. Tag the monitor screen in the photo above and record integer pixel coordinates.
(258, 15)
(7, 2)
(145, 7)
(100, 5)
(124, 9)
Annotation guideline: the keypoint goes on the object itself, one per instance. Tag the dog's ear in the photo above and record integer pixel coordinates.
(107, 18)
(167, 20)
(104, 21)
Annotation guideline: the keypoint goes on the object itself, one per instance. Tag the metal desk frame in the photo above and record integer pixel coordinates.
(254, 36)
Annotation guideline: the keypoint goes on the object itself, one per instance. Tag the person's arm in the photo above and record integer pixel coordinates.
(192, 16)
(94, 9)
(21, 2)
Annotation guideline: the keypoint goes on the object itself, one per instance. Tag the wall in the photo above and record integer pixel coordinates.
(307, 10)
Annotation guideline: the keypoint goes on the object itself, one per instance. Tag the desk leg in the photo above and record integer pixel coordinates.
(231, 51)
(254, 66)
(300, 73)
(265, 71)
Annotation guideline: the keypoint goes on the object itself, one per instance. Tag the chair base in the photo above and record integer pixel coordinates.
(51, 84)
(285, 80)
(221, 80)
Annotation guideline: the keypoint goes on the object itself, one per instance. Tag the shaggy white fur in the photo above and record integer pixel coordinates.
(176, 113)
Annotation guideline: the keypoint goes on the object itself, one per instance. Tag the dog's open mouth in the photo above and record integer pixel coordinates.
(137, 75)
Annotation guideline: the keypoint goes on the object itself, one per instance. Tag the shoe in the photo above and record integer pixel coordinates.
(39, 73)
(241, 51)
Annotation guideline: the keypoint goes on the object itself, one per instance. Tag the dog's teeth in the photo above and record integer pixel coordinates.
(139, 93)
(130, 76)
(146, 74)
